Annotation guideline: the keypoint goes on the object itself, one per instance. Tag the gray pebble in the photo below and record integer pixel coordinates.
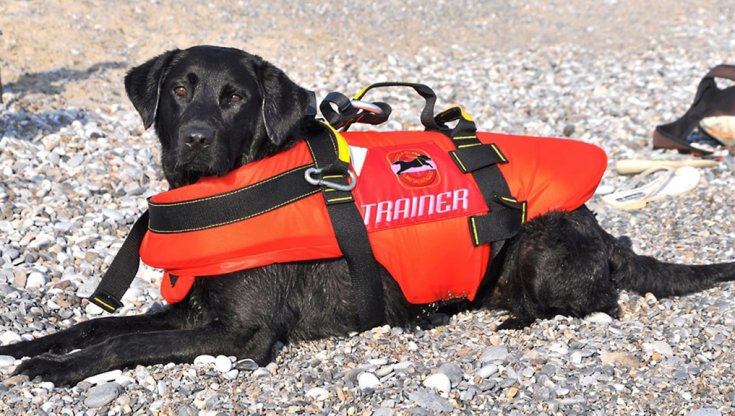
(186, 410)
(487, 370)
(494, 354)
(19, 278)
(599, 318)
(705, 411)
(75, 160)
(261, 372)
(6, 361)
(383, 411)
(430, 401)
(317, 393)
(246, 364)
(102, 394)
(104, 377)
(438, 381)
(453, 371)
(222, 364)
(9, 337)
(367, 381)
(36, 280)
(663, 348)
(204, 359)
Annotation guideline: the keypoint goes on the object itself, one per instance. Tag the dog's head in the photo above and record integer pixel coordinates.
(215, 109)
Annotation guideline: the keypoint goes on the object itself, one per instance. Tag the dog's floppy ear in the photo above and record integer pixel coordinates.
(143, 85)
(285, 104)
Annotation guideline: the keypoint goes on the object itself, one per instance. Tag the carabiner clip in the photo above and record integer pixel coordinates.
(314, 177)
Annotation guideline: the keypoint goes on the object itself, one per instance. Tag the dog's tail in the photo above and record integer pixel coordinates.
(644, 274)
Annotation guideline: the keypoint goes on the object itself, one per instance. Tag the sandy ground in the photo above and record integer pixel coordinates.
(76, 52)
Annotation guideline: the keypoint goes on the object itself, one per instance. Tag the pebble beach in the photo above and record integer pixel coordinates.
(76, 167)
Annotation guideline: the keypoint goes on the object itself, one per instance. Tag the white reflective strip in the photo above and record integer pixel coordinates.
(357, 156)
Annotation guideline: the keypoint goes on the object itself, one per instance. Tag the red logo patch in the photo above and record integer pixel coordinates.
(414, 168)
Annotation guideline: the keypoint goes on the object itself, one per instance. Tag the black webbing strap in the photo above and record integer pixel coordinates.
(123, 269)
(199, 214)
(481, 160)
(233, 206)
(340, 113)
(349, 228)
(427, 113)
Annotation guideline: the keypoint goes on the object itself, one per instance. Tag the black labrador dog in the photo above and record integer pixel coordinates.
(215, 109)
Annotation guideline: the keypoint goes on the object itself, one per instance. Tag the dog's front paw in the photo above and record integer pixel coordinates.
(53, 368)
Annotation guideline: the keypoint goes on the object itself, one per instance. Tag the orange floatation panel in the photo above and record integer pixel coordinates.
(414, 200)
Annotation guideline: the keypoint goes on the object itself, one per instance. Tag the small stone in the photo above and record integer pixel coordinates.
(468, 395)
(92, 309)
(113, 214)
(247, 365)
(430, 401)
(261, 372)
(232, 374)
(705, 411)
(495, 353)
(438, 381)
(9, 337)
(41, 241)
(186, 410)
(384, 371)
(367, 381)
(162, 388)
(19, 278)
(317, 393)
(377, 361)
(383, 411)
(663, 348)
(453, 371)
(75, 160)
(599, 318)
(88, 287)
(549, 369)
(650, 298)
(102, 394)
(222, 364)
(204, 359)
(124, 380)
(487, 370)
(6, 361)
(104, 377)
(35, 279)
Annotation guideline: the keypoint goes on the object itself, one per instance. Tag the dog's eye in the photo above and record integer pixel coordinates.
(180, 91)
(234, 99)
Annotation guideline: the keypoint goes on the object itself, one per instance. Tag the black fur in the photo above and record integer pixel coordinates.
(560, 263)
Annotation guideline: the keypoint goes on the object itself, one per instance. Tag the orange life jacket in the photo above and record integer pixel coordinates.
(413, 198)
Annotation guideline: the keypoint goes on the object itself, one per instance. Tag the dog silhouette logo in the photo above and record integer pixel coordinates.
(414, 168)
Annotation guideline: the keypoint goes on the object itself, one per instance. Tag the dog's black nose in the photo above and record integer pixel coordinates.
(198, 137)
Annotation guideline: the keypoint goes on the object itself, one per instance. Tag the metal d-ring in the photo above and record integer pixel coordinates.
(314, 177)
(366, 106)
